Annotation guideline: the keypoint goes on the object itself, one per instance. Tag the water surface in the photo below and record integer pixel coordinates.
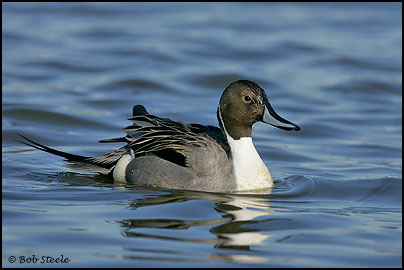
(72, 72)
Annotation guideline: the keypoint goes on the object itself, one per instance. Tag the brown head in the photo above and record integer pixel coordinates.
(244, 103)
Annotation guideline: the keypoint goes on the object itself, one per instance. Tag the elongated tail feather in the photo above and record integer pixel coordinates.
(102, 164)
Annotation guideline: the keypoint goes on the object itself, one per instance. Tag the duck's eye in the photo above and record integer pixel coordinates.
(247, 98)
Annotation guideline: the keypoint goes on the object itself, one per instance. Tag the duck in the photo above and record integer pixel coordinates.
(160, 152)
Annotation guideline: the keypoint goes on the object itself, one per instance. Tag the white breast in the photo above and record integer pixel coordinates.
(250, 170)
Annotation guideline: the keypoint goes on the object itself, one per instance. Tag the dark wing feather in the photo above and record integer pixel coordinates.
(139, 110)
(168, 139)
(213, 132)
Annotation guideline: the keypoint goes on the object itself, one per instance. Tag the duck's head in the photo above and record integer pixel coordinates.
(244, 103)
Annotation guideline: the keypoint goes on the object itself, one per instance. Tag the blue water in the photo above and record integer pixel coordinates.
(72, 72)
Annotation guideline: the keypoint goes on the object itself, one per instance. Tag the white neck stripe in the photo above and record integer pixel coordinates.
(249, 169)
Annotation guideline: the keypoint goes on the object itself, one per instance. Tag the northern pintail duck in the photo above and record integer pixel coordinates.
(164, 153)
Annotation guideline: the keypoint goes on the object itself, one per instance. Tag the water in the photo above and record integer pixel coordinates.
(73, 71)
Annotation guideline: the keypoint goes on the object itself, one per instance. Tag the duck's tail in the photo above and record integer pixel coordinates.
(103, 164)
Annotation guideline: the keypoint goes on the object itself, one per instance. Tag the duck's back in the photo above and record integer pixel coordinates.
(177, 155)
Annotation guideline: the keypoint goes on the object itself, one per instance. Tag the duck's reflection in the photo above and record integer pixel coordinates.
(234, 226)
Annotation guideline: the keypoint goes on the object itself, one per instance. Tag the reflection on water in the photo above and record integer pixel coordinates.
(235, 211)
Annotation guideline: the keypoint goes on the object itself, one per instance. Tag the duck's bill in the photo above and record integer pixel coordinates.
(272, 118)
